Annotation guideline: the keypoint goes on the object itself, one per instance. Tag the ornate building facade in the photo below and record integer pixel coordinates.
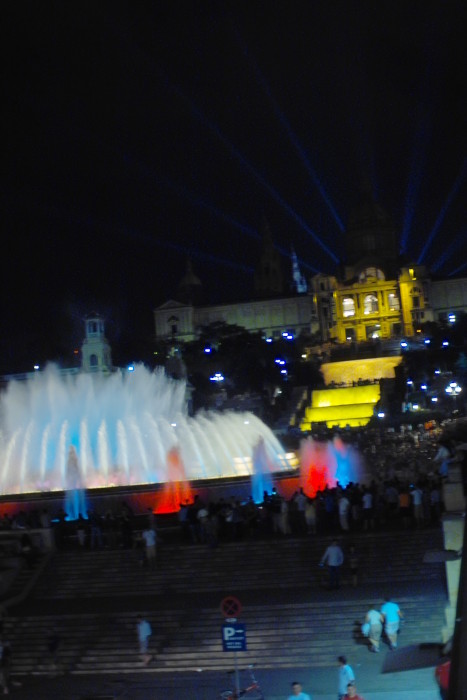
(376, 295)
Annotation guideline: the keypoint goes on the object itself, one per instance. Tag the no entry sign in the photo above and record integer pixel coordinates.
(231, 606)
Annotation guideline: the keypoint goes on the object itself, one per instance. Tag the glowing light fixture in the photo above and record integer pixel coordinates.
(453, 389)
(217, 377)
(131, 368)
(445, 343)
(404, 344)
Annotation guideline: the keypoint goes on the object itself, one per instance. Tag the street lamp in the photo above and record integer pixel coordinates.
(453, 389)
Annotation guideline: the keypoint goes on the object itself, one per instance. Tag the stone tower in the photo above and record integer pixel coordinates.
(269, 276)
(95, 352)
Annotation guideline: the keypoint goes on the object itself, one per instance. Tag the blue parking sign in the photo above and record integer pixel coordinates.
(234, 636)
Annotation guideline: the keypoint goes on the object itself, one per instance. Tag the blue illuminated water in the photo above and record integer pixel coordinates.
(263, 469)
(121, 427)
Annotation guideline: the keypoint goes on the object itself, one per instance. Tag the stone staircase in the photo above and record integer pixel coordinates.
(385, 558)
(91, 600)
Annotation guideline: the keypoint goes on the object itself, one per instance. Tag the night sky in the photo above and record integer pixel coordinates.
(141, 134)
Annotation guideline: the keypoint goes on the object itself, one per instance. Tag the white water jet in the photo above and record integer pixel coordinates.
(122, 428)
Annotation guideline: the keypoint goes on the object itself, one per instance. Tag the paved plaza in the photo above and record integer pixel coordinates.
(319, 683)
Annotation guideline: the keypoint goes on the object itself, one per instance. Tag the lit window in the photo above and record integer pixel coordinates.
(370, 304)
(348, 307)
(393, 302)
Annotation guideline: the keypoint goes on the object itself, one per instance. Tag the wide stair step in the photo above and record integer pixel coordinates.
(91, 598)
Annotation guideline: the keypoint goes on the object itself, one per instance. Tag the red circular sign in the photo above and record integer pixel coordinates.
(231, 606)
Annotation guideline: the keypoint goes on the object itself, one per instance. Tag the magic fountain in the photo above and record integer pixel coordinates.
(88, 430)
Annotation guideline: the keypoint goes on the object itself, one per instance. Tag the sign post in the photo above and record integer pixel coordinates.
(233, 633)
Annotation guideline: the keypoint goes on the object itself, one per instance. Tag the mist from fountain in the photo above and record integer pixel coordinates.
(122, 427)
(328, 464)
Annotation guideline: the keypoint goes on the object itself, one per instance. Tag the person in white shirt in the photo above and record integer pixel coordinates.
(334, 558)
(344, 508)
(149, 537)
(375, 620)
(417, 496)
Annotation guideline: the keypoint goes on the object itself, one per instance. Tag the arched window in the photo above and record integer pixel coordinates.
(370, 304)
(93, 360)
(371, 273)
(348, 306)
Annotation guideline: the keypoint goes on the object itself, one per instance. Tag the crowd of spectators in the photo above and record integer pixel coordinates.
(402, 489)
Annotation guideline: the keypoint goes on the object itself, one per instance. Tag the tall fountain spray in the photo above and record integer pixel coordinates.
(122, 427)
(75, 501)
(329, 464)
(263, 469)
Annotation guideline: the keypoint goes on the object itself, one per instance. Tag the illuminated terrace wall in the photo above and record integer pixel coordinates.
(371, 369)
(352, 406)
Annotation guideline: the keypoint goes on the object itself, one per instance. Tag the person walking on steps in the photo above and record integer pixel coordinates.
(392, 616)
(375, 621)
(144, 632)
(334, 558)
(345, 676)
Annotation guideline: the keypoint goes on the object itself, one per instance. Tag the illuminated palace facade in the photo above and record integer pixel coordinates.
(374, 295)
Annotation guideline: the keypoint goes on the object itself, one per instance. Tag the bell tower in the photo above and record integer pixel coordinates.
(96, 355)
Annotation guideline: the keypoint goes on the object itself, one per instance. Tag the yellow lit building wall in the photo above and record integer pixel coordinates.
(352, 406)
(415, 307)
(373, 307)
(349, 405)
(370, 369)
(366, 320)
